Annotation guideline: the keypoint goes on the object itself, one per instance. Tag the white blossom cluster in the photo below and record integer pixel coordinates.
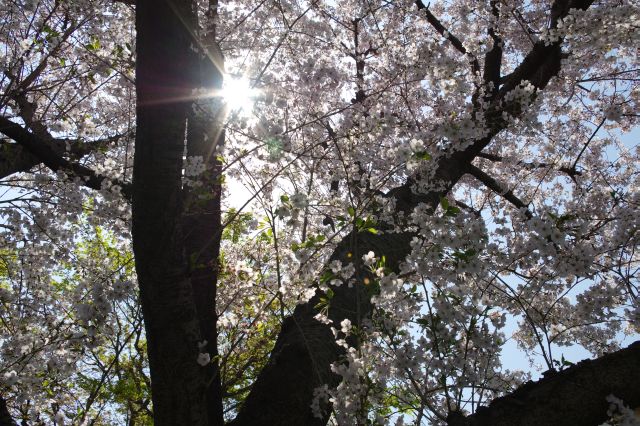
(544, 256)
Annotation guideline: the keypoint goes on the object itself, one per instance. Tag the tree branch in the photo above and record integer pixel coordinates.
(569, 171)
(306, 348)
(496, 187)
(46, 154)
(543, 61)
(14, 158)
(493, 58)
(455, 41)
(573, 397)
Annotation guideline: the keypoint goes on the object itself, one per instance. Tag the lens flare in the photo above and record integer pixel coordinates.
(238, 94)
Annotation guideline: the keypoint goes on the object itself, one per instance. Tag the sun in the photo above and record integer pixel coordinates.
(238, 94)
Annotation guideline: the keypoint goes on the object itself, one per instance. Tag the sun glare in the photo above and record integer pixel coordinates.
(238, 94)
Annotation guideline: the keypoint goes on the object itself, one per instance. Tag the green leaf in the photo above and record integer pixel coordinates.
(322, 304)
(317, 238)
(452, 211)
(51, 33)
(464, 255)
(351, 211)
(444, 203)
(423, 322)
(326, 277)
(422, 155)
(93, 46)
(566, 362)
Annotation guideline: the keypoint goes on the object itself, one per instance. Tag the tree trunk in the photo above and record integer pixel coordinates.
(201, 218)
(164, 43)
(306, 348)
(5, 416)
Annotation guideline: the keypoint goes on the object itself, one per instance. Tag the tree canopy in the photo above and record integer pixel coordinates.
(292, 212)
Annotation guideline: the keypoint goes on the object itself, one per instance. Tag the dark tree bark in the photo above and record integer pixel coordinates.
(5, 416)
(14, 158)
(202, 215)
(176, 229)
(32, 149)
(573, 397)
(179, 383)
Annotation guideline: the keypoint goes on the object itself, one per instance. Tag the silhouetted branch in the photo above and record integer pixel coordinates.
(572, 397)
(455, 41)
(43, 151)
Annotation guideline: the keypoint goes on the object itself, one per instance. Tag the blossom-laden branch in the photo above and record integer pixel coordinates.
(544, 58)
(569, 171)
(305, 349)
(37, 149)
(14, 158)
(442, 30)
(493, 58)
(496, 187)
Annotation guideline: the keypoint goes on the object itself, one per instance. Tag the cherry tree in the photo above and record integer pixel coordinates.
(421, 184)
